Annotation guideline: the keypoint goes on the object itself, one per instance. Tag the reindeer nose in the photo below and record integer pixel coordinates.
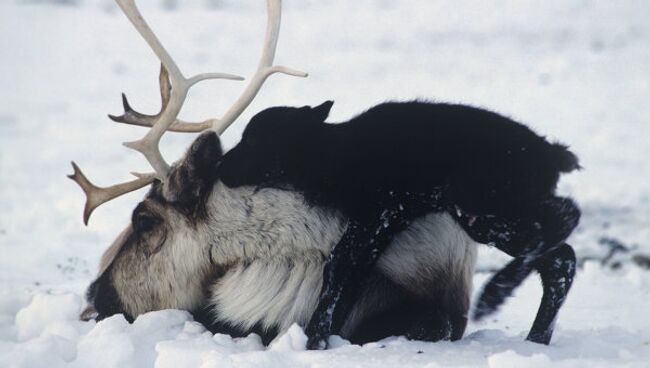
(103, 300)
(93, 310)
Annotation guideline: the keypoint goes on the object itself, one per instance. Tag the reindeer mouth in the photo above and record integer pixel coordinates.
(90, 314)
(103, 300)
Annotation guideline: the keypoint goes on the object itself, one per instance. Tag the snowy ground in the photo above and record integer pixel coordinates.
(577, 71)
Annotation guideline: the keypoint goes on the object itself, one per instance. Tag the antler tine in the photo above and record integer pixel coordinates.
(148, 145)
(174, 87)
(95, 195)
(264, 69)
(133, 117)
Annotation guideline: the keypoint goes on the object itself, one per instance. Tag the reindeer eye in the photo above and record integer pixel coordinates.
(144, 223)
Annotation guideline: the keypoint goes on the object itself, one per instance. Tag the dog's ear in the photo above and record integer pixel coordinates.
(322, 111)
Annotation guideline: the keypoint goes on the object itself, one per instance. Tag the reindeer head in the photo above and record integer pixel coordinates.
(191, 230)
(162, 258)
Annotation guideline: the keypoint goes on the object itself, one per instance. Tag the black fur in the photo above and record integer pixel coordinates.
(488, 162)
(399, 160)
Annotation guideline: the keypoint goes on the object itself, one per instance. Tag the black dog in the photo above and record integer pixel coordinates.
(398, 161)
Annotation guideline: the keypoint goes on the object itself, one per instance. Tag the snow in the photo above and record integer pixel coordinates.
(577, 71)
(46, 312)
(584, 337)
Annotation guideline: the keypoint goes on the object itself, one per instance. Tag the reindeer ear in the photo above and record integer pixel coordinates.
(192, 179)
(203, 155)
(322, 111)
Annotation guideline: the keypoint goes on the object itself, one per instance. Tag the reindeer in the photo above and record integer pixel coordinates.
(251, 259)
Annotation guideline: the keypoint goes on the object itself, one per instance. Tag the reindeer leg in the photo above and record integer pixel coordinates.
(347, 270)
(433, 324)
(536, 240)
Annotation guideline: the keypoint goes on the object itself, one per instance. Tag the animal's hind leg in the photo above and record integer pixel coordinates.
(528, 237)
(557, 270)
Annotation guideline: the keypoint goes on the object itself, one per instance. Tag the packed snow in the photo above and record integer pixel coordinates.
(577, 71)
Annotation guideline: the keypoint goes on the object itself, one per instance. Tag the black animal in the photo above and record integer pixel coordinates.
(399, 161)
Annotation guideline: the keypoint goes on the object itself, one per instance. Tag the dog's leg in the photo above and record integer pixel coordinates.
(536, 235)
(347, 270)
(557, 270)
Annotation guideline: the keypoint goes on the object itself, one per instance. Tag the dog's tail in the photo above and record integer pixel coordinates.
(562, 159)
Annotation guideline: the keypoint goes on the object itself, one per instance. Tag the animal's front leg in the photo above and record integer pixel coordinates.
(347, 270)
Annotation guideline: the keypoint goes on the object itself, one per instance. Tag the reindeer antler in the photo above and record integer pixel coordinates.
(264, 69)
(148, 145)
(173, 92)
(97, 195)
(132, 117)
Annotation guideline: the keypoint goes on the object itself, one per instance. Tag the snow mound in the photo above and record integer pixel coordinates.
(48, 334)
(510, 359)
(48, 314)
(292, 340)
